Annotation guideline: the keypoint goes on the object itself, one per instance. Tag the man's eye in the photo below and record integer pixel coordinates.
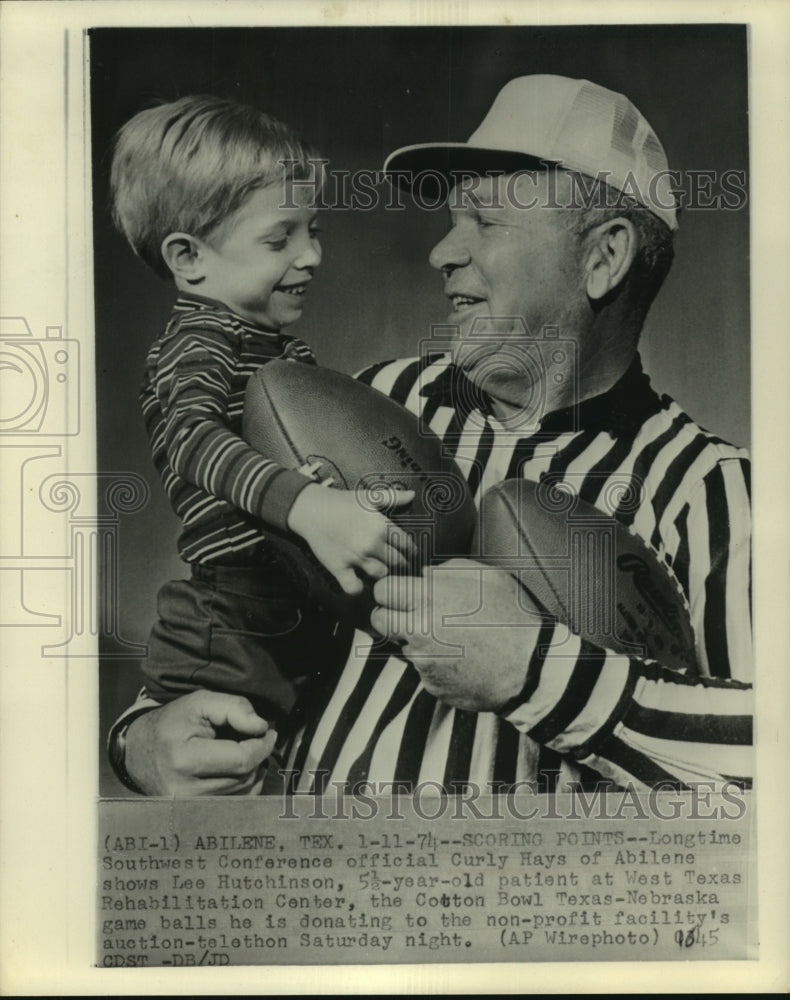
(315, 231)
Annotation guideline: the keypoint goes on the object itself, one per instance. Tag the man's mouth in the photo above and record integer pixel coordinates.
(461, 301)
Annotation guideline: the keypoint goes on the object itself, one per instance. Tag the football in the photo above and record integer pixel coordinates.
(346, 435)
(586, 569)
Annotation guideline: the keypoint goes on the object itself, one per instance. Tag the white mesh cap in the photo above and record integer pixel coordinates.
(575, 124)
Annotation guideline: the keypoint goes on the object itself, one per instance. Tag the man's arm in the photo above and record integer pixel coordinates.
(713, 564)
(180, 749)
(633, 721)
(630, 719)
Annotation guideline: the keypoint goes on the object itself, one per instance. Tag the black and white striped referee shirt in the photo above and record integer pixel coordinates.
(598, 714)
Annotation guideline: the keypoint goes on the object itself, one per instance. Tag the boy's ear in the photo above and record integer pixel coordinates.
(612, 247)
(183, 255)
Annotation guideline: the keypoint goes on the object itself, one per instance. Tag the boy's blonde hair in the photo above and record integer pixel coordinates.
(187, 166)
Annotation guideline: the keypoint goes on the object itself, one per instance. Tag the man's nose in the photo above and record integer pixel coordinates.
(449, 252)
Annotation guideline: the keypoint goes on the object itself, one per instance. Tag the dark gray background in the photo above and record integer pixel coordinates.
(357, 94)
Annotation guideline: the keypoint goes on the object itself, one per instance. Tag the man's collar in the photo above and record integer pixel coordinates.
(619, 411)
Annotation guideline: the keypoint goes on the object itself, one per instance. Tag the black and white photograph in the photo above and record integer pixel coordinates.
(378, 276)
(381, 499)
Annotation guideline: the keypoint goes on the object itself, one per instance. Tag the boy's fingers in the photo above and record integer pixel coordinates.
(395, 560)
(394, 498)
(349, 581)
(374, 568)
(402, 540)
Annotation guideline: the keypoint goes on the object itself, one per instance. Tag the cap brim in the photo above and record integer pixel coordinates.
(430, 170)
(413, 166)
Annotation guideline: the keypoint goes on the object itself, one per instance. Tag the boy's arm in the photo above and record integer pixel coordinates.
(193, 386)
(194, 391)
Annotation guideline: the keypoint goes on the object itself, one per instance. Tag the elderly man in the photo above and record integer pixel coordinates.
(562, 223)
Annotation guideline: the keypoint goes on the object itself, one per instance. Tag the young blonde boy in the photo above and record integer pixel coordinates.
(202, 189)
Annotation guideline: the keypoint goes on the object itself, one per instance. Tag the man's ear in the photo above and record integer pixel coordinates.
(183, 254)
(611, 248)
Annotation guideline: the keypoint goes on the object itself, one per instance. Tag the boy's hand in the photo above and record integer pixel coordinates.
(347, 538)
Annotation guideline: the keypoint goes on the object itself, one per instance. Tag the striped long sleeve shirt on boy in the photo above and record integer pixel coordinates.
(192, 399)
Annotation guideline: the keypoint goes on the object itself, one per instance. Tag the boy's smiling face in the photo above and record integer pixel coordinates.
(260, 262)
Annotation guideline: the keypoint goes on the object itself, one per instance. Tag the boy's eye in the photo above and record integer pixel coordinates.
(314, 232)
(278, 244)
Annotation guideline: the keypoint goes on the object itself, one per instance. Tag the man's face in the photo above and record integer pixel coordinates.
(506, 265)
